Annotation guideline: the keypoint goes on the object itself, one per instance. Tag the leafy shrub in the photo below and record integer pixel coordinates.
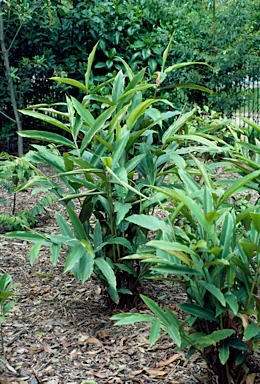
(211, 249)
(105, 173)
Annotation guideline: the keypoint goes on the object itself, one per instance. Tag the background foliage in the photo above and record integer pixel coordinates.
(46, 38)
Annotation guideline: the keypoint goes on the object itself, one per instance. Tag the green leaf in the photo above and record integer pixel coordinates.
(174, 333)
(90, 62)
(251, 331)
(237, 185)
(156, 310)
(223, 354)
(129, 71)
(251, 123)
(215, 337)
(214, 291)
(121, 241)
(237, 344)
(131, 318)
(195, 310)
(190, 86)
(175, 269)
(231, 300)
(55, 251)
(85, 266)
(150, 222)
(64, 226)
(76, 224)
(181, 65)
(34, 251)
(72, 82)
(99, 124)
(45, 118)
(256, 220)
(120, 149)
(118, 87)
(154, 332)
(83, 112)
(166, 53)
(177, 125)
(138, 111)
(53, 138)
(107, 271)
(73, 257)
(121, 210)
(172, 246)
(193, 207)
(26, 236)
(126, 268)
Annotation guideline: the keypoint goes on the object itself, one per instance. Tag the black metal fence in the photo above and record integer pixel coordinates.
(248, 92)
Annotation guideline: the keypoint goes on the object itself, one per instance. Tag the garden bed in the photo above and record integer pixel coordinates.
(60, 330)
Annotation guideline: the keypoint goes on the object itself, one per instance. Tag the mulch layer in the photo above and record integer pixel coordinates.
(60, 330)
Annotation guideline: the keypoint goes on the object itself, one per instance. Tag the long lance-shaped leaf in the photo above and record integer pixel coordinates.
(215, 291)
(251, 123)
(76, 224)
(177, 125)
(190, 86)
(90, 62)
(49, 137)
(74, 83)
(179, 251)
(83, 112)
(166, 53)
(138, 111)
(99, 123)
(150, 222)
(107, 271)
(197, 138)
(125, 185)
(32, 237)
(196, 310)
(46, 118)
(192, 206)
(129, 71)
(181, 65)
(237, 185)
(100, 99)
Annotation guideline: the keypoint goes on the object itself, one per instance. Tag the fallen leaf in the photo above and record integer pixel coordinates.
(73, 353)
(122, 341)
(47, 348)
(244, 320)
(155, 372)
(134, 373)
(94, 352)
(104, 334)
(65, 343)
(173, 358)
(93, 340)
(35, 349)
(251, 378)
(100, 375)
(82, 339)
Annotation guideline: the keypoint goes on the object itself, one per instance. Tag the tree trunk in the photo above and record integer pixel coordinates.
(5, 54)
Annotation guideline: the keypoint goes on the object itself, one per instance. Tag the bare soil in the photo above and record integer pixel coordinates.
(60, 330)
